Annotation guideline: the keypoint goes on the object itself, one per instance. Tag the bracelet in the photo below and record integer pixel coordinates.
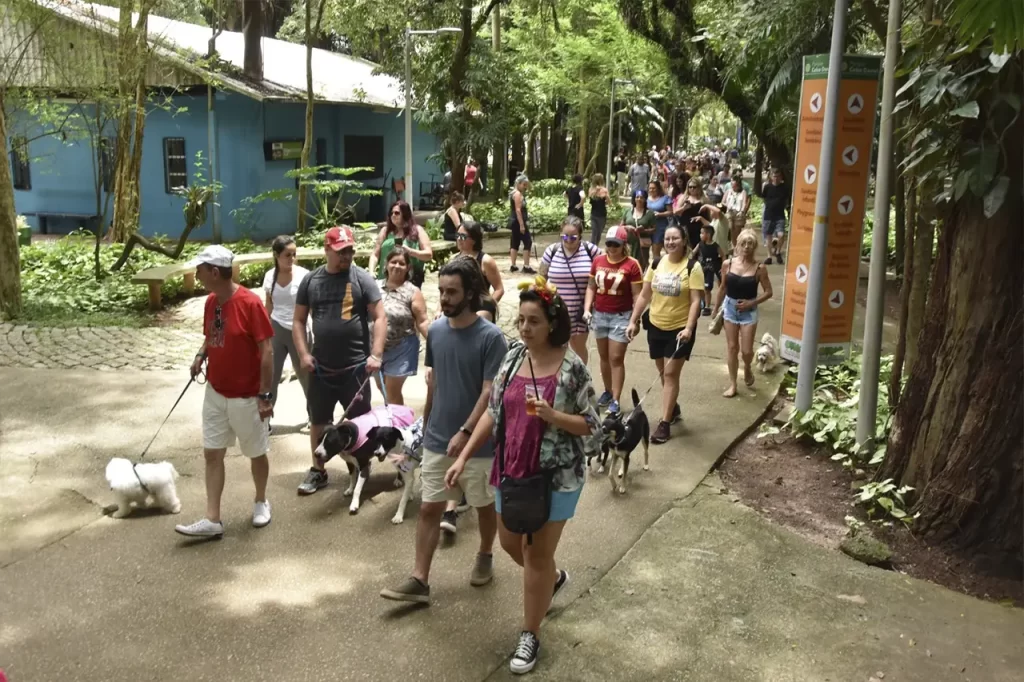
(201, 355)
(374, 357)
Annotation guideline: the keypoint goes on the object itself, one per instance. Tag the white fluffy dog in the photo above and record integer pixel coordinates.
(767, 355)
(158, 477)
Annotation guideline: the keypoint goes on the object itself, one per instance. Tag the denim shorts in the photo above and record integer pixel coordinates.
(403, 360)
(773, 228)
(742, 318)
(611, 325)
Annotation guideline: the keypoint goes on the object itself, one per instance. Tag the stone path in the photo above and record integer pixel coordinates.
(99, 348)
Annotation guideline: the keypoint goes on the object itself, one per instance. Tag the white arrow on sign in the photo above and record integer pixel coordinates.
(810, 173)
(815, 102)
(801, 273)
(845, 204)
(836, 298)
(850, 155)
(855, 104)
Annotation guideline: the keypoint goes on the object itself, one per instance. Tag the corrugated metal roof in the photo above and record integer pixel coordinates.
(336, 77)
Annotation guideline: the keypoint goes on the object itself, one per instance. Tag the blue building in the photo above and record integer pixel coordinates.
(252, 131)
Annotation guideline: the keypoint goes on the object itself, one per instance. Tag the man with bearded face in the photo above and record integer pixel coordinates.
(464, 352)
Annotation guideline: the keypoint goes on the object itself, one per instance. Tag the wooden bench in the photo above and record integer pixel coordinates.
(155, 277)
(83, 218)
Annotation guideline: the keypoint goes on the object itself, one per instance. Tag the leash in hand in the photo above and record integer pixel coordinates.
(181, 395)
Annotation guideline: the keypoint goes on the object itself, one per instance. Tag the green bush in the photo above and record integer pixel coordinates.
(549, 187)
(546, 213)
(869, 226)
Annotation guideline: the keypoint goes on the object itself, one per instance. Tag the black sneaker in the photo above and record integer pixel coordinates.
(677, 414)
(778, 258)
(768, 260)
(562, 581)
(448, 520)
(514, 268)
(315, 479)
(661, 434)
(706, 312)
(529, 271)
(525, 656)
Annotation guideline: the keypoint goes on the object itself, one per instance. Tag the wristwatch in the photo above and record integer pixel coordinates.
(266, 396)
(465, 431)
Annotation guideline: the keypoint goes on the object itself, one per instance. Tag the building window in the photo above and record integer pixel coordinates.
(364, 151)
(175, 164)
(107, 163)
(21, 177)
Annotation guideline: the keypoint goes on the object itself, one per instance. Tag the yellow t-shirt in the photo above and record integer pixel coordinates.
(670, 287)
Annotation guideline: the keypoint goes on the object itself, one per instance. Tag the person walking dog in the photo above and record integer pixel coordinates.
(239, 360)
(343, 300)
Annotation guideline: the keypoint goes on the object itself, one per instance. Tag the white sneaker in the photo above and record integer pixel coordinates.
(261, 513)
(203, 528)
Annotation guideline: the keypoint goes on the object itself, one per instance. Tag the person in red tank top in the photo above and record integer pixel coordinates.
(239, 360)
(470, 178)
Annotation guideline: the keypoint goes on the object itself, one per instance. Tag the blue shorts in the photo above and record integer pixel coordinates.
(659, 231)
(403, 360)
(611, 325)
(563, 504)
(742, 318)
(773, 228)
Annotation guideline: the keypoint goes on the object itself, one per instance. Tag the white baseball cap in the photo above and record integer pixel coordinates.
(215, 255)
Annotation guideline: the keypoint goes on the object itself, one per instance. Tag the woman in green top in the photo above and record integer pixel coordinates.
(402, 230)
(641, 219)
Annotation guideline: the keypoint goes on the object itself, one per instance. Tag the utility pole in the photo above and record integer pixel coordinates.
(500, 155)
(867, 409)
(819, 242)
(611, 124)
(408, 115)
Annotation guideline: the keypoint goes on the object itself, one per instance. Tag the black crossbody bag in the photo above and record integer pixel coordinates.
(525, 502)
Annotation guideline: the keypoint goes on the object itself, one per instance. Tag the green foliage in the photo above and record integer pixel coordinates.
(59, 282)
(885, 498)
(198, 195)
(959, 102)
(546, 213)
(549, 187)
(329, 186)
(869, 226)
(831, 422)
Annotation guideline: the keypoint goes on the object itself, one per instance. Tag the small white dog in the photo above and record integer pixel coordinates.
(158, 477)
(407, 458)
(767, 355)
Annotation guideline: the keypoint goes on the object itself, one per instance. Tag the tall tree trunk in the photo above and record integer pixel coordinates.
(518, 151)
(759, 169)
(924, 241)
(557, 145)
(10, 261)
(906, 285)
(500, 153)
(545, 150)
(901, 214)
(531, 143)
(133, 59)
(252, 32)
(581, 144)
(958, 431)
(312, 30)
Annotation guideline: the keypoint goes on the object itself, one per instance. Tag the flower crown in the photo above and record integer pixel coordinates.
(545, 290)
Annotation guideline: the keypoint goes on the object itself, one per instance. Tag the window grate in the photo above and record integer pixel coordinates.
(175, 164)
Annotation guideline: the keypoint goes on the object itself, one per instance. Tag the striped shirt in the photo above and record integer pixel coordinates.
(570, 275)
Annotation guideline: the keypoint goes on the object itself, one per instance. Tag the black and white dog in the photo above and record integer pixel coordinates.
(358, 441)
(622, 433)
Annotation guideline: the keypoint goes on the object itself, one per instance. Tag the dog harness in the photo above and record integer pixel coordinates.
(398, 416)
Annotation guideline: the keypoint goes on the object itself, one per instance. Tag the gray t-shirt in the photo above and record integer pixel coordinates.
(338, 307)
(639, 177)
(462, 359)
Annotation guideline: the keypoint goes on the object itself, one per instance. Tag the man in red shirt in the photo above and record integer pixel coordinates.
(239, 374)
(615, 282)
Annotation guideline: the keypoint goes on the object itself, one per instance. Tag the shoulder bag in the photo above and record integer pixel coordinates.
(525, 502)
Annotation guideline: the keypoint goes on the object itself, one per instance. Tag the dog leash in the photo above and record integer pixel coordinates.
(661, 375)
(158, 429)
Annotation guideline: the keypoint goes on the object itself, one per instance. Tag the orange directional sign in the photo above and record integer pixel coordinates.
(858, 91)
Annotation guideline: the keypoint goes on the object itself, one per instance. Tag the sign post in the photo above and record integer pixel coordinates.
(854, 133)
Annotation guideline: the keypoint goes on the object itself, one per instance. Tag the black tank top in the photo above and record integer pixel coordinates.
(512, 210)
(740, 287)
(451, 231)
(598, 207)
(573, 195)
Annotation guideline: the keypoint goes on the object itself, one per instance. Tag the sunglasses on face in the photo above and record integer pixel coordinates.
(396, 213)
(462, 237)
(612, 245)
(569, 237)
(218, 320)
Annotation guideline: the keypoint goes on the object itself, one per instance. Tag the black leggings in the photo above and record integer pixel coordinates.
(520, 237)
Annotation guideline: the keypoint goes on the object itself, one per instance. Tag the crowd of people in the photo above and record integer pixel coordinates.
(507, 421)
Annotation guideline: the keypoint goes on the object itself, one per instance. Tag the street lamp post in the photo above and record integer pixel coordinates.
(409, 33)
(611, 125)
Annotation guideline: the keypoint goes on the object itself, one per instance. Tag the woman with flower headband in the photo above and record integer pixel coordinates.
(543, 396)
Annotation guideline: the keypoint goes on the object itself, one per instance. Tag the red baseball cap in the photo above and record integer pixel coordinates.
(617, 233)
(339, 238)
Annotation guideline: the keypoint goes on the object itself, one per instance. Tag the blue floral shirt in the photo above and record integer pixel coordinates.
(560, 451)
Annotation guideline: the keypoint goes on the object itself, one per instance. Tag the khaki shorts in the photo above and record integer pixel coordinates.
(474, 482)
(224, 419)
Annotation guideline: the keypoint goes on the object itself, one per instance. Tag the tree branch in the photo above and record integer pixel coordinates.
(482, 18)
(876, 20)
